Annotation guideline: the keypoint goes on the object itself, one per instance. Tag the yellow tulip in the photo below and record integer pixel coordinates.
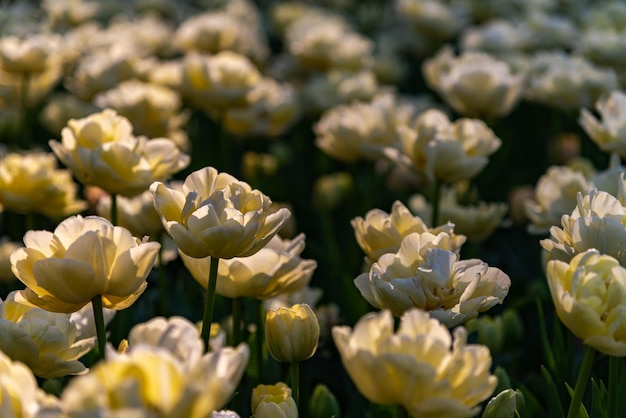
(83, 258)
(101, 151)
(589, 294)
(418, 367)
(273, 401)
(292, 333)
(47, 342)
(214, 214)
(276, 268)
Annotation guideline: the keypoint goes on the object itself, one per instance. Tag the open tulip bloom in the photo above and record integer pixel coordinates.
(84, 260)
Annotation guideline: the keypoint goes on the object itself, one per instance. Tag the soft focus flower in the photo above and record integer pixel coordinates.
(273, 401)
(271, 108)
(605, 47)
(217, 82)
(83, 258)
(423, 275)
(555, 196)
(49, 343)
(29, 55)
(68, 13)
(137, 214)
(332, 190)
(60, 108)
(102, 70)
(442, 150)
(6, 248)
(418, 367)
(434, 19)
(589, 294)
(380, 232)
(292, 333)
(543, 31)
(224, 414)
(474, 84)
(567, 82)
(152, 109)
(597, 222)
(476, 222)
(21, 397)
(498, 36)
(216, 215)
(323, 44)
(358, 130)
(101, 150)
(32, 183)
(276, 268)
(213, 32)
(609, 133)
(151, 382)
(336, 87)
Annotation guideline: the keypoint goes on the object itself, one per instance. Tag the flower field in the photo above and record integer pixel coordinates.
(282, 209)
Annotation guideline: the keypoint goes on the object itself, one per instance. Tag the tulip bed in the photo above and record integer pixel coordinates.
(235, 208)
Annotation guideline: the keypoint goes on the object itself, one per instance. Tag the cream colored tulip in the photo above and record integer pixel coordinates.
(154, 110)
(48, 343)
(433, 279)
(217, 82)
(271, 108)
(323, 44)
(32, 183)
(177, 335)
(380, 232)
(214, 214)
(101, 151)
(29, 55)
(608, 132)
(275, 269)
(83, 258)
(149, 381)
(21, 397)
(273, 401)
(358, 130)
(336, 87)
(555, 196)
(597, 222)
(475, 84)
(444, 151)
(589, 294)
(567, 82)
(419, 367)
(292, 333)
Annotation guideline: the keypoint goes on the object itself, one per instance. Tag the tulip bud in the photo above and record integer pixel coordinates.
(323, 403)
(292, 333)
(507, 404)
(273, 401)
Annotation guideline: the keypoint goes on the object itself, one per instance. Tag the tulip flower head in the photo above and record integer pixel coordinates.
(214, 214)
(83, 258)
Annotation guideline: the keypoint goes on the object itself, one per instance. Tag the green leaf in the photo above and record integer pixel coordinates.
(554, 400)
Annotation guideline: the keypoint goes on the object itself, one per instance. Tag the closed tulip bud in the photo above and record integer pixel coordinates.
(292, 333)
(273, 401)
(323, 403)
(507, 404)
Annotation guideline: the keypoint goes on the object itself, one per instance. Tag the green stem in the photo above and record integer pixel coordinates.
(236, 308)
(435, 202)
(207, 318)
(113, 208)
(98, 316)
(294, 369)
(614, 378)
(581, 382)
(259, 316)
